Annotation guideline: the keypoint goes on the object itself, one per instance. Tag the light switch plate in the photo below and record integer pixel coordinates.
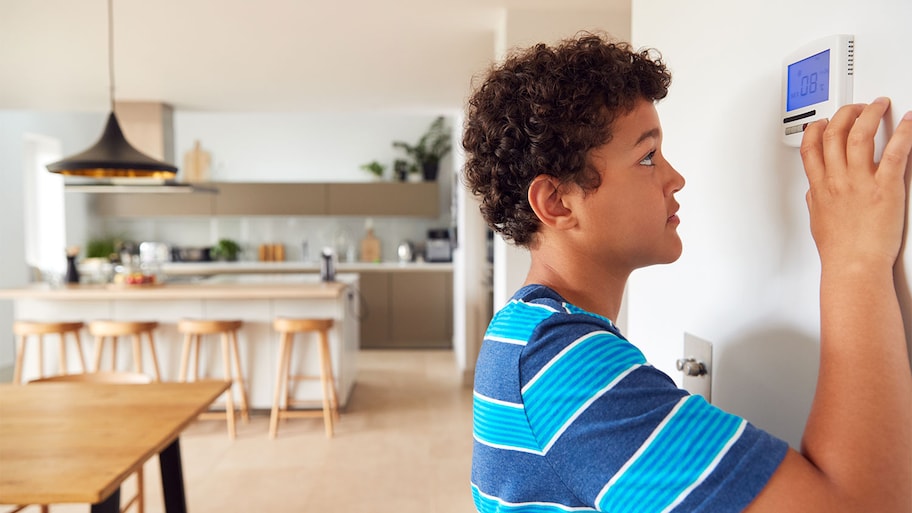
(701, 351)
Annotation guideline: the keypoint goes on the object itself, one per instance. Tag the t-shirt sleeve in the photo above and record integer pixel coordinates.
(623, 437)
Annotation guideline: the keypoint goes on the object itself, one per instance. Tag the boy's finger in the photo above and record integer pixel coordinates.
(896, 152)
(812, 150)
(860, 143)
(835, 136)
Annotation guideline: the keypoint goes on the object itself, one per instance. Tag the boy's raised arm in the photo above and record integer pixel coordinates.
(857, 448)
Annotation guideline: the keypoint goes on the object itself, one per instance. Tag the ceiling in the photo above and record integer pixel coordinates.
(253, 55)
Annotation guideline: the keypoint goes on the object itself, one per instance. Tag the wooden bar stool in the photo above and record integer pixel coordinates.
(104, 331)
(25, 329)
(287, 328)
(193, 331)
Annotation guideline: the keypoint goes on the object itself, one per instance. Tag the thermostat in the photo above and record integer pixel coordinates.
(816, 81)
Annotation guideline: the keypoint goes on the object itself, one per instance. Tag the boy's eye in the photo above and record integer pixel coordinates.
(647, 160)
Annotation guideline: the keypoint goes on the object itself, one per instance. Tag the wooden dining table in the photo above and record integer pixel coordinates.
(77, 442)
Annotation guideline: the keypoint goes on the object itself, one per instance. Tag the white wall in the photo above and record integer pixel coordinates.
(75, 131)
(748, 278)
(298, 146)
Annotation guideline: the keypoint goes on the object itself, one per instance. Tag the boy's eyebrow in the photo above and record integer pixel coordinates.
(653, 133)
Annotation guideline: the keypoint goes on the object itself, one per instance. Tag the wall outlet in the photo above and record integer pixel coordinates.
(697, 366)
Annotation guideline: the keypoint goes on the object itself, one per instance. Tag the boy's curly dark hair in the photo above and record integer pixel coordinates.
(540, 112)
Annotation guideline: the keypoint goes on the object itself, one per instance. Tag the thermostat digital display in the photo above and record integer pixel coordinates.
(809, 81)
(816, 81)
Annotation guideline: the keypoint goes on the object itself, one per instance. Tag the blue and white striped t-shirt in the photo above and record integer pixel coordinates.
(569, 416)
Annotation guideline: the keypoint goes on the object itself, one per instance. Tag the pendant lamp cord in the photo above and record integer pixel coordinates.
(111, 50)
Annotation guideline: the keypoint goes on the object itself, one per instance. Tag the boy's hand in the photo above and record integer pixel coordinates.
(857, 209)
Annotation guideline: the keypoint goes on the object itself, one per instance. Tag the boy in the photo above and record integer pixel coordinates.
(564, 148)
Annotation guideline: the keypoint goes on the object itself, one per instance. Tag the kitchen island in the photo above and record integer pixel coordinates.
(404, 305)
(252, 298)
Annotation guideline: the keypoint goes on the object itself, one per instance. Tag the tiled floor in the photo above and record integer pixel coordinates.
(403, 445)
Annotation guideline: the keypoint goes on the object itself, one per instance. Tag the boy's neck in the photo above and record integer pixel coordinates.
(590, 287)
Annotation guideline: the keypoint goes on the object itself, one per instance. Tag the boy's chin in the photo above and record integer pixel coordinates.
(672, 256)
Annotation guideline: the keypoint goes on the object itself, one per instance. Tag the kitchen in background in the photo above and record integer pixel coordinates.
(274, 148)
(298, 171)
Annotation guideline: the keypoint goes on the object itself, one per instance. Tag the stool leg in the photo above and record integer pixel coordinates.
(137, 353)
(333, 394)
(229, 394)
(185, 356)
(239, 376)
(326, 385)
(82, 362)
(99, 346)
(20, 359)
(155, 370)
(140, 491)
(196, 355)
(281, 383)
(40, 356)
(288, 374)
(114, 341)
(63, 355)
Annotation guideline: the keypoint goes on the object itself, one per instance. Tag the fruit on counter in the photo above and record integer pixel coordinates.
(135, 278)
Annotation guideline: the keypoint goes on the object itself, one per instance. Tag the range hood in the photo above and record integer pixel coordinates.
(135, 185)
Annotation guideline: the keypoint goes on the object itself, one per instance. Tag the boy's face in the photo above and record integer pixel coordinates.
(630, 221)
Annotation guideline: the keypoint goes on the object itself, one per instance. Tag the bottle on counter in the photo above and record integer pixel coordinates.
(305, 251)
(327, 266)
(72, 271)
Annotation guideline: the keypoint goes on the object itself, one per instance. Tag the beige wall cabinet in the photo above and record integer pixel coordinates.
(383, 199)
(241, 199)
(418, 307)
(278, 199)
(145, 204)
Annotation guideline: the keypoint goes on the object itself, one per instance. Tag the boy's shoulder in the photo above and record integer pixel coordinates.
(555, 308)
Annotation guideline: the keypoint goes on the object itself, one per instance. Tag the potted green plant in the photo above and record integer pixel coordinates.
(102, 247)
(430, 149)
(375, 168)
(226, 249)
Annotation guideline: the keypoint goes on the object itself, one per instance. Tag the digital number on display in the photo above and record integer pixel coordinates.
(809, 81)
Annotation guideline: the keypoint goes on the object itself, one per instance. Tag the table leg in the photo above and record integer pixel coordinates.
(109, 505)
(172, 476)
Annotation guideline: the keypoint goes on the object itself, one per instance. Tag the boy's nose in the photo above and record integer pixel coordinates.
(676, 180)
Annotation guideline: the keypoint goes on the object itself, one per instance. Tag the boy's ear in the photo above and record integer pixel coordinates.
(546, 197)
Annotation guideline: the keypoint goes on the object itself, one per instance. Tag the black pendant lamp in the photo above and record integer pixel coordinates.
(112, 156)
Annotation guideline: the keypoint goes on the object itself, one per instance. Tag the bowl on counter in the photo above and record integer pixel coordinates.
(191, 254)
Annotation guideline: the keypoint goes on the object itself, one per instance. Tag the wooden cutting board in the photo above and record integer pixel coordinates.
(370, 247)
(196, 164)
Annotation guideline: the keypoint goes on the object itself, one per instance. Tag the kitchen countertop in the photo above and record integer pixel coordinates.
(197, 268)
(300, 286)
